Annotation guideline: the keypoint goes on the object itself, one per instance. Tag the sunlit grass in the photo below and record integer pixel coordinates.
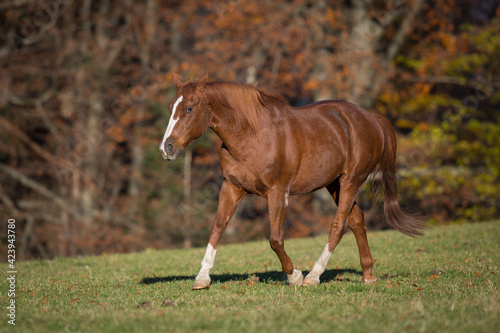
(446, 281)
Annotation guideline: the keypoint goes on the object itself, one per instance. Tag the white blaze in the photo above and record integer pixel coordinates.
(171, 123)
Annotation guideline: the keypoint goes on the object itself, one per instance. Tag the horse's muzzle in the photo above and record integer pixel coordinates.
(169, 152)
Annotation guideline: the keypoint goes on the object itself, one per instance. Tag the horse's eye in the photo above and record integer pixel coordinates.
(189, 109)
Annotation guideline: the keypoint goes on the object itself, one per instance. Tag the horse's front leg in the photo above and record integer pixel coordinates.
(278, 202)
(229, 196)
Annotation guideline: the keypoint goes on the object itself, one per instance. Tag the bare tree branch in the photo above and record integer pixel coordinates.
(41, 189)
(16, 3)
(404, 30)
(33, 145)
(8, 202)
(114, 52)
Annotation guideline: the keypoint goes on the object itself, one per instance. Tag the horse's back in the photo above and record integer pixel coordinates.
(341, 120)
(336, 136)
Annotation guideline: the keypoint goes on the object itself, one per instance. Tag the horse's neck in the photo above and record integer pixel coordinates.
(234, 139)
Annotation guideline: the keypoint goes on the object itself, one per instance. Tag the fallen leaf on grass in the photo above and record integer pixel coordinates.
(433, 277)
(74, 300)
(389, 284)
(437, 272)
(169, 302)
(145, 304)
(387, 276)
(252, 279)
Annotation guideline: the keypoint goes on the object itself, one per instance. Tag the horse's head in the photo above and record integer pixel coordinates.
(189, 117)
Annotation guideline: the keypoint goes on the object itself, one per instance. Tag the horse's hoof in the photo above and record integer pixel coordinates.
(201, 284)
(310, 282)
(370, 280)
(296, 278)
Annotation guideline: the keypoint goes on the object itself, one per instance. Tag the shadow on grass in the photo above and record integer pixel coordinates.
(271, 277)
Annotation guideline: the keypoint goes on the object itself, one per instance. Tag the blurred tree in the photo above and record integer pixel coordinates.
(84, 105)
(315, 50)
(447, 102)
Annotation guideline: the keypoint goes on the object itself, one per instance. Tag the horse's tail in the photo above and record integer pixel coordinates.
(410, 225)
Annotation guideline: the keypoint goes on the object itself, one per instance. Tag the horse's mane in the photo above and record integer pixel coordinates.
(243, 104)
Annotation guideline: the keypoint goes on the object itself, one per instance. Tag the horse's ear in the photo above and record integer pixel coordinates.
(201, 84)
(177, 80)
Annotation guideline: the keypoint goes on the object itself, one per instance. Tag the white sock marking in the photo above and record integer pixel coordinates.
(171, 123)
(294, 277)
(320, 265)
(207, 263)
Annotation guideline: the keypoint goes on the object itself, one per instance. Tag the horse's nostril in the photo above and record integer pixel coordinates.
(169, 148)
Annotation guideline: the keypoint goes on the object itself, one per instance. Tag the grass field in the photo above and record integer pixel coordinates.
(447, 281)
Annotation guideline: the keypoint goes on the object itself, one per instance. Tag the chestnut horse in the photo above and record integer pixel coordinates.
(275, 150)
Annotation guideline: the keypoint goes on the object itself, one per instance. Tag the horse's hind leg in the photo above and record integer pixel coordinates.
(337, 230)
(355, 220)
(357, 224)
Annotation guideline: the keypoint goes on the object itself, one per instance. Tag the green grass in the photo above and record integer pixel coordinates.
(447, 281)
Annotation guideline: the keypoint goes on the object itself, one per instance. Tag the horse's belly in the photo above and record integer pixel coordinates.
(314, 167)
(317, 173)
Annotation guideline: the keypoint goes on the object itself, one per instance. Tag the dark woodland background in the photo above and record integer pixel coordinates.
(85, 88)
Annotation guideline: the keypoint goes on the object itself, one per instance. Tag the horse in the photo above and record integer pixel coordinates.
(274, 150)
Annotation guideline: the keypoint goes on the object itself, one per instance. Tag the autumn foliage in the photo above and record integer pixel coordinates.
(86, 87)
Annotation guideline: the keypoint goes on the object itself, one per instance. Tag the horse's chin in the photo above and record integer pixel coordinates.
(173, 157)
